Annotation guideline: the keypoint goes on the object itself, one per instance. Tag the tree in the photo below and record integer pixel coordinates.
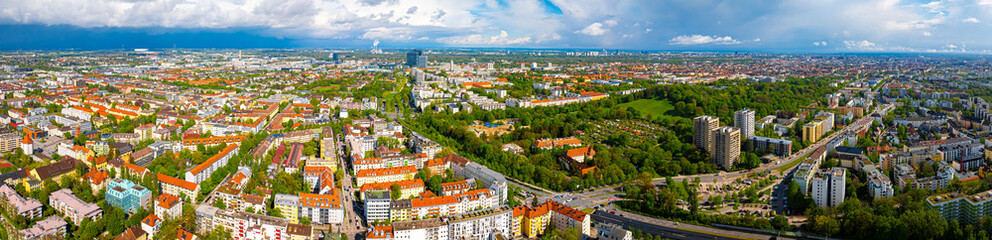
(305, 221)
(434, 184)
(825, 225)
(395, 191)
(388, 142)
(220, 204)
(926, 224)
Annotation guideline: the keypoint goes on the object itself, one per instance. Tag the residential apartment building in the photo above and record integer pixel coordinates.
(408, 188)
(399, 210)
(879, 184)
(288, 206)
(299, 232)
(250, 226)
(52, 227)
(967, 209)
(455, 188)
(702, 127)
(9, 141)
(779, 147)
(178, 187)
(564, 217)
(480, 224)
(202, 172)
(385, 175)
(322, 208)
(426, 229)
(827, 187)
(726, 147)
(376, 205)
(168, 206)
(744, 120)
(72, 207)
(27, 207)
(529, 222)
(812, 131)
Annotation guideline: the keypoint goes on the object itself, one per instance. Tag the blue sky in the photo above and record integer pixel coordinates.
(777, 25)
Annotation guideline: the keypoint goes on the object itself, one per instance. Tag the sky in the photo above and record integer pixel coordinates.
(749, 25)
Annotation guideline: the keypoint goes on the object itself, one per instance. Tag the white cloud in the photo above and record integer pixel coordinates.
(594, 29)
(863, 45)
(927, 34)
(479, 40)
(700, 39)
(912, 24)
(952, 46)
(820, 43)
(388, 33)
(971, 20)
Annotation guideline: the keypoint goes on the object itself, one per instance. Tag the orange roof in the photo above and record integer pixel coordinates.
(167, 200)
(331, 200)
(87, 110)
(434, 201)
(450, 186)
(211, 160)
(405, 184)
(135, 168)
(27, 139)
(213, 140)
(151, 220)
(122, 112)
(582, 151)
(96, 177)
(364, 161)
(177, 182)
(427, 194)
(434, 162)
(537, 211)
(566, 210)
(184, 235)
(381, 231)
(386, 171)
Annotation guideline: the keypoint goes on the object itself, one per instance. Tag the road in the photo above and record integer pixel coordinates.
(352, 225)
(669, 229)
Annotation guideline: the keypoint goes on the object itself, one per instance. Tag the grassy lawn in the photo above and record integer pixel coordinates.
(601, 194)
(653, 106)
(781, 169)
(588, 210)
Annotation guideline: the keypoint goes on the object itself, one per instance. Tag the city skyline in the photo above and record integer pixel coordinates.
(782, 25)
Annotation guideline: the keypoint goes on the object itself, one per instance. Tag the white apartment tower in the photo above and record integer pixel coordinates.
(744, 119)
(827, 187)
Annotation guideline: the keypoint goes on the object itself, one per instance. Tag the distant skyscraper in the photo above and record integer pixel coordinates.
(744, 119)
(416, 58)
(334, 57)
(702, 126)
(726, 146)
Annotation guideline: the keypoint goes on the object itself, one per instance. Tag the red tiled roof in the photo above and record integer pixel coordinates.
(386, 171)
(177, 182)
(405, 184)
(211, 160)
(166, 200)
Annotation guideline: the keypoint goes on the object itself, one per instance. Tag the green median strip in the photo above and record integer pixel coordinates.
(781, 169)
